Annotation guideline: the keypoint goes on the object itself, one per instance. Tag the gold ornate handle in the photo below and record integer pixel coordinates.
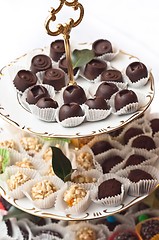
(65, 29)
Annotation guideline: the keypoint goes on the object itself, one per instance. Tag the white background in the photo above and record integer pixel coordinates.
(133, 25)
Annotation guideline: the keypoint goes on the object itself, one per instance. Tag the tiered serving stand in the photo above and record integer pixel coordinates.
(15, 113)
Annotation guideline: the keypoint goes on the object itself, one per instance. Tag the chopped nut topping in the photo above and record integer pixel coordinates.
(74, 195)
(50, 172)
(86, 233)
(85, 160)
(42, 189)
(17, 180)
(83, 179)
(25, 163)
(47, 155)
(8, 144)
(31, 144)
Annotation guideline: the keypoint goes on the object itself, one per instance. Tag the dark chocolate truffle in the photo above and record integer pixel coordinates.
(70, 110)
(106, 90)
(101, 146)
(110, 162)
(109, 188)
(64, 66)
(136, 175)
(54, 77)
(74, 93)
(57, 49)
(94, 68)
(134, 159)
(111, 75)
(131, 132)
(149, 228)
(97, 103)
(46, 102)
(124, 97)
(101, 47)
(154, 124)
(144, 141)
(136, 70)
(24, 79)
(40, 63)
(35, 93)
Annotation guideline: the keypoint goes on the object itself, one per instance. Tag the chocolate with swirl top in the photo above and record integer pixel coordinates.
(94, 68)
(57, 49)
(24, 79)
(102, 46)
(40, 63)
(35, 93)
(54, 77)
(136, 71)
(112, 75)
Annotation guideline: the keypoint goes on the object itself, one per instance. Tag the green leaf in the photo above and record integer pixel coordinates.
(81, 57)
(60, 163)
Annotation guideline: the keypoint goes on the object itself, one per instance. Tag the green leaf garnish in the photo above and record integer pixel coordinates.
(81, 57)
(60, 163)
(4, 159)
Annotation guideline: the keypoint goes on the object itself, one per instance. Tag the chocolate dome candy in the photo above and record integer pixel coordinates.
(35, 93)
(40, 63)
(64, 66)
(131, 132)
(102, 46)
(109, 188)
(134, 159)
(154, 124)
(97, 103)
(149, 228)
(110, 162)
(57, 49)
(46, 102)
(24, 79)
(101, 146)
(106, 90)
(111, 75)
(136, 175)
(143, 141)
(74, 93)
(136, 71)
(94, 68)
(123, 98)
(54, 77)
(70, 110)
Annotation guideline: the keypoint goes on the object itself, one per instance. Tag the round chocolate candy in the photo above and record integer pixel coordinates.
(134, 159)
(110, 162)
(74, 93)
(35, 93)
(70, 110)
(97, 103)
(136, 71)
(111, 75)
(57, 49)
(131, 132)
(154, 124)
(54, 77)
(123, 98)
(109, 188)
(46, 102)
(106, 90)
(143, 141)
(136, 175)
(64, 66)
(94, 68)
(24, 79)
(101, 146)
(101, 47)
(40, 63)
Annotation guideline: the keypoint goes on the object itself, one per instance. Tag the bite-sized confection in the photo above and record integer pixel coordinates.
(24, 163)
(109, 188)
(100, 147)
(149, 228)
(106, 90)
(85, 160)
(70, 110)
(24, 79)
(134, 159)
(101, 47)
(74, 93)
(49, 232)
(17, 180)
(86, 233)
(54, 77)
(97, 103)
(40, 63)
(31, 144)
(35, 93)
(131, 132)
(46, 102)
(57, 49)
(112, 75)
(123, 98)
(136, 175)
(94, 68)
(110, 162)
(136, 71)
(81, 178)
(154, 124)
(124, 235)
(144, 141)
(64, 66)
(9, 144)
(42, 189)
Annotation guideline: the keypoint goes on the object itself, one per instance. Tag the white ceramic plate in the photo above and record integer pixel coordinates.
(12, 110)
